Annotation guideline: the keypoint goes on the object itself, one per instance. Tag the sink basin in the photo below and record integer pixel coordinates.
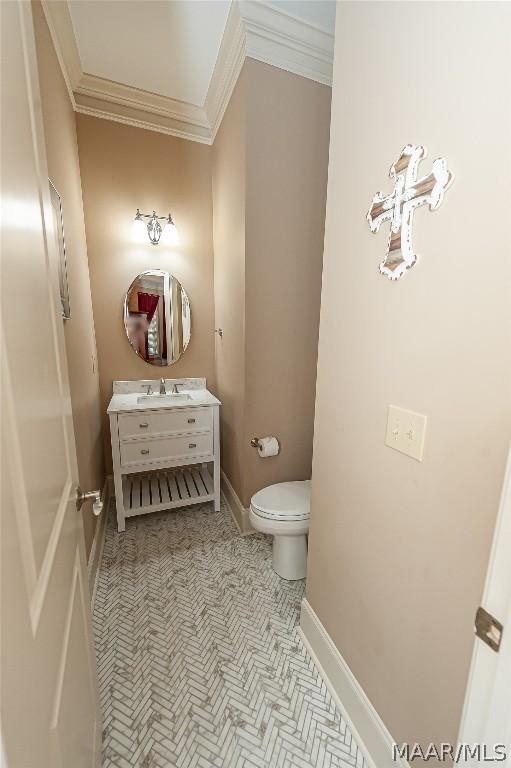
(170, 399)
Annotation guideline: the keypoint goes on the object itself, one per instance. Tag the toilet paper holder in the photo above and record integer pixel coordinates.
(266, 446)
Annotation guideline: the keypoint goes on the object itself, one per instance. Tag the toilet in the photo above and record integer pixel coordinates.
(282, 511)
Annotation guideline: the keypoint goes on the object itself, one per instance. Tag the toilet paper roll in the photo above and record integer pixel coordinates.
(268, 446)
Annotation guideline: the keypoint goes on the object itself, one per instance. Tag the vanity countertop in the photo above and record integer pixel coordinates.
(128, 401)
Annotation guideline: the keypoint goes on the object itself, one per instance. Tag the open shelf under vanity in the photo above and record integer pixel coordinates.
(165, 448)
(166, 489)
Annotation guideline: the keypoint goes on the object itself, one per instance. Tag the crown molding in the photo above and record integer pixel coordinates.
(254, 29)
(99, 97)
(227, 68)
(60, 25)
(149, 125)
(285, 41)
(275, 37)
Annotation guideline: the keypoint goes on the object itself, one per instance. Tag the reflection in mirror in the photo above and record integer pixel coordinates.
(157, 317)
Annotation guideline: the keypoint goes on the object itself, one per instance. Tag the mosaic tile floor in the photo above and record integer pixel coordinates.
(199, 659)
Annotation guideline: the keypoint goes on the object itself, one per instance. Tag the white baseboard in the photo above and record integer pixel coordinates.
(366, 725)
(96, 551)
(238, 511)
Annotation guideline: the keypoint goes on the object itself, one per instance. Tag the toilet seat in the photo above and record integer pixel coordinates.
(283, 501)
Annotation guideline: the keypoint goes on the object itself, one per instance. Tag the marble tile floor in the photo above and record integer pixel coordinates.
(199, 658)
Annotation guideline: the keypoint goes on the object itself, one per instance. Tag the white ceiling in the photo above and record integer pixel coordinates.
(163, 46)
(167, 47)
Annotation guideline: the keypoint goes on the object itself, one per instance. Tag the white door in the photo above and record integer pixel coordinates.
(487, 713)
(50, 712)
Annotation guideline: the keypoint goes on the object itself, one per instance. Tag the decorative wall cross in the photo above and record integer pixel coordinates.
(398, 207)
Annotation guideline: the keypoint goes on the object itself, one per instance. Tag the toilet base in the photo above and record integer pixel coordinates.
(290, 557)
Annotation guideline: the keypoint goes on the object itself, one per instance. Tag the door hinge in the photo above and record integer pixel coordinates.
(488, 629)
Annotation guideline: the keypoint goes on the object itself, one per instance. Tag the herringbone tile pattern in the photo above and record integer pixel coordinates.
(199, 660)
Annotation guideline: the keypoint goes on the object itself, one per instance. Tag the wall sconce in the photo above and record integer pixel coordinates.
(153, 229)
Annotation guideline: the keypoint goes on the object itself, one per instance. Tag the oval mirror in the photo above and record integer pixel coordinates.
(157, 317)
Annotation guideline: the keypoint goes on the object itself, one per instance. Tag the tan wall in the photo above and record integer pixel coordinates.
(269, 190)
(399, 549)
(287, 163)
(125, 168)
(64, 170)
(229, 180)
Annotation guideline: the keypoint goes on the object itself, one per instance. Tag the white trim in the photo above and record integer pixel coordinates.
(364, 722)
(487, 685)
(238, 511)
(98, 543)
(133, 106)
(135, 98)
(63, 38)
(229, 62)
(147, 125)
(229, 507)
(285, 41)
(253, 29)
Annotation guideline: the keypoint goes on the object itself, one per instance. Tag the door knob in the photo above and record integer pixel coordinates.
(94, 496)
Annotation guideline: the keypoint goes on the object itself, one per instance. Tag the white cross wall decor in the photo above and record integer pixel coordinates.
(398, 207)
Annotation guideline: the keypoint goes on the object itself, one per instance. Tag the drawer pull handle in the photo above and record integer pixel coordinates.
(143, 424)
(192, 445)
(191, 421)
(144, 450)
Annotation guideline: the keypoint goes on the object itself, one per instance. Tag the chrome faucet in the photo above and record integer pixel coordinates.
(163, 390)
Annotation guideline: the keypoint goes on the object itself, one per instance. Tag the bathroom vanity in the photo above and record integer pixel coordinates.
(165, 447)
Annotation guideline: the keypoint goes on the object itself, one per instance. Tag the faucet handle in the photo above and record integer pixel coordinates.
(149, 388)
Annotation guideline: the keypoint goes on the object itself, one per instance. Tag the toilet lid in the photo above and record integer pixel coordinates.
(283, 501)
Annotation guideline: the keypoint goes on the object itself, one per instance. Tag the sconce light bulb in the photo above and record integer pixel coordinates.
(139, 230)
(170, 235)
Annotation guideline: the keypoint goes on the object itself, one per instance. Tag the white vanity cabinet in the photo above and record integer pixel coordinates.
(165, 450)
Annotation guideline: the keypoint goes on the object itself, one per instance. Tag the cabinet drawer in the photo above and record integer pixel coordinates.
(158, 422)
(186, 447)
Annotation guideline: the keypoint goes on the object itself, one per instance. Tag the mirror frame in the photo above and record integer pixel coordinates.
(153, 273)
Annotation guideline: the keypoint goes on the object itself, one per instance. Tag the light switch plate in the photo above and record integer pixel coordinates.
(406, 431)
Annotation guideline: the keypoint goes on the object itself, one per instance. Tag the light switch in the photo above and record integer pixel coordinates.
(406, 431)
